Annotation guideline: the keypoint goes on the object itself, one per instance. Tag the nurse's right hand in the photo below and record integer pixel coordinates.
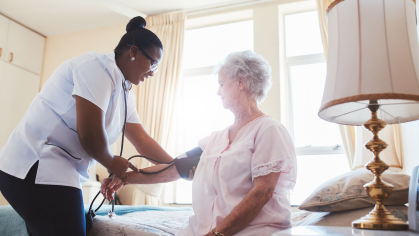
(120, 165)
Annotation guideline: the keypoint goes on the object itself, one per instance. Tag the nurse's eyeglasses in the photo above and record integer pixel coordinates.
(153, 63)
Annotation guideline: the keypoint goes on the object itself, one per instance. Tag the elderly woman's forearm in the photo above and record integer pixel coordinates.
(245, 211)
(165, 176)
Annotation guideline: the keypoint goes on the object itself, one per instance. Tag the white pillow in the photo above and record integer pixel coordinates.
(346, 192)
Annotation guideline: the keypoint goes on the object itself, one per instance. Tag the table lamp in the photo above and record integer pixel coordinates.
(372, 79)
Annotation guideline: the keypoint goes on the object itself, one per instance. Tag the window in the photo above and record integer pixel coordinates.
(201, 110)
(320, 155)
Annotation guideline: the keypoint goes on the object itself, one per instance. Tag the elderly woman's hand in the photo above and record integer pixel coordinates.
(110, 186)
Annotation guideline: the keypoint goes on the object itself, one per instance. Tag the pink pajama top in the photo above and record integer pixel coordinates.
(226, 172)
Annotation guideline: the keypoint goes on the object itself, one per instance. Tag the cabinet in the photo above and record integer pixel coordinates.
(21, 58)
(20, 68)
(18, 87)
(24, 48)
(4, 27)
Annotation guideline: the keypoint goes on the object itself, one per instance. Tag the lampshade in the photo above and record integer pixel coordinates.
(373, 55)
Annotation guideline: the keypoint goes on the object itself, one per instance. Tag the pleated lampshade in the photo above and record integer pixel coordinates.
(373, 55)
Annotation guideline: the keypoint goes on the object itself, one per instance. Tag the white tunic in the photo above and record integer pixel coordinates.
(51, 121)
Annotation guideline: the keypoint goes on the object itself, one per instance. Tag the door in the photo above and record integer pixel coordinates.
(18, 88)
(24, 48)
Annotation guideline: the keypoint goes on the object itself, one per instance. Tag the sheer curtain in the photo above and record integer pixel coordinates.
(347, 132)
(354, 138)
(156, 98)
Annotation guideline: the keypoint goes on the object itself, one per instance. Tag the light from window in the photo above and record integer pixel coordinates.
(307, 82)
(313, 170)
(202, 113)
(318, 143)
(208, 46)
(201, 108)
(302, 34)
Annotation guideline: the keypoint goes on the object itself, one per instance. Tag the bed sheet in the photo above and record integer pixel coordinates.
(144, 223)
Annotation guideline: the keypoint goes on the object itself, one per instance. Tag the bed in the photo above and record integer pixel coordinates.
(337, 202)
(130, 220)
(153, 221)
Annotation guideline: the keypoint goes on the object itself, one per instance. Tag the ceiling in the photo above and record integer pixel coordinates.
(54, 17)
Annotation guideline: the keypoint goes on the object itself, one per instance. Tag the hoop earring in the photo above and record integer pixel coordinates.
(132, 58)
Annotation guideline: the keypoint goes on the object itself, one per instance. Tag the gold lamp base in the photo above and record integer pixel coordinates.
(379, 218)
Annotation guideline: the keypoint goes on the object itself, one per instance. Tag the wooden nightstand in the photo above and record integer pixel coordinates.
(326, 230)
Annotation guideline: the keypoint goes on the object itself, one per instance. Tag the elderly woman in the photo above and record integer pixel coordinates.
(241, 181)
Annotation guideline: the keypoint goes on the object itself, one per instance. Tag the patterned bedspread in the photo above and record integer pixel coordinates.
(145, 223)
(165, 223)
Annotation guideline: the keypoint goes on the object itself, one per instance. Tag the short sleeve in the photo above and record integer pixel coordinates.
(93, 83)
(132, 110)
(273, 152)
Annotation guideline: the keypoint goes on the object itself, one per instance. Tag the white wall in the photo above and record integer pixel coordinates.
(410, 139)
(410, 146)
(266, 43)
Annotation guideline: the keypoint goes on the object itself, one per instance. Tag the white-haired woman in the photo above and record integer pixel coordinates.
(241, 181)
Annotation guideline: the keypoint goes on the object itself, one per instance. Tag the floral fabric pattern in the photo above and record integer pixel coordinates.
(275, 166)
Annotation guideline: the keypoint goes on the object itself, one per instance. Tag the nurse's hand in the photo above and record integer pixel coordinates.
(191, 173)
(120, 165)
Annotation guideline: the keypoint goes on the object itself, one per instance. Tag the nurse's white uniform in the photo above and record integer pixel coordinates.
(50, 124)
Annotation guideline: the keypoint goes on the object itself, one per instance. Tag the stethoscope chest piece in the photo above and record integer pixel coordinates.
(111, 215)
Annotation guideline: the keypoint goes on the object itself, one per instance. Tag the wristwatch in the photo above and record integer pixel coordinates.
(217, 233)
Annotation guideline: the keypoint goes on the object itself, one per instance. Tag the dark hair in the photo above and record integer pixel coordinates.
(138, 35)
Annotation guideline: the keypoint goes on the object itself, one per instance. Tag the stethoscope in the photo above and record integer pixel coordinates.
(91, 213)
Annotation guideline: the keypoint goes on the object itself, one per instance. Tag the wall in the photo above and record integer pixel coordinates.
(266, 40)
(410, 139)
(410, 146)
(63, 47)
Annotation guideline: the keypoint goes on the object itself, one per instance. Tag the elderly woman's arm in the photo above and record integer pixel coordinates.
(250, 206)
(113, 184)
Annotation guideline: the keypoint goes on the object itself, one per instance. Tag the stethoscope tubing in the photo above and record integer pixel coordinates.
(170, 164)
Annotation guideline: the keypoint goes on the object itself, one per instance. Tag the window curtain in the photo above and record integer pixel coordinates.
(392, 155)
(347, 132)
(354, 138)
(157, 96)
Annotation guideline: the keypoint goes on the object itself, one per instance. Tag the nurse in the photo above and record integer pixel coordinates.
(70, 125)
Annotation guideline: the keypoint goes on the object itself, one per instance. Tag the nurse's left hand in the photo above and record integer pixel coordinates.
(120, 165)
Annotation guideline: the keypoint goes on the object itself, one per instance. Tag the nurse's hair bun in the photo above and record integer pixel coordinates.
(136, 23)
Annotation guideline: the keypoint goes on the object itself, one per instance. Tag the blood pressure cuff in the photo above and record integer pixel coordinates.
(186, 161)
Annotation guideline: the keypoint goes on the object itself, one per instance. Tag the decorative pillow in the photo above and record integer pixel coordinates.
(347, 191)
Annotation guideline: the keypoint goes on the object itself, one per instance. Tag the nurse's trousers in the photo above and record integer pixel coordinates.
(46, 209)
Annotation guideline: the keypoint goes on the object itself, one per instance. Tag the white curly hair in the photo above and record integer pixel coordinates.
(253, 67)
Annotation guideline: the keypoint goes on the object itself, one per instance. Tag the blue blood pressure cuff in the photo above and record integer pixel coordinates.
(186, 161)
